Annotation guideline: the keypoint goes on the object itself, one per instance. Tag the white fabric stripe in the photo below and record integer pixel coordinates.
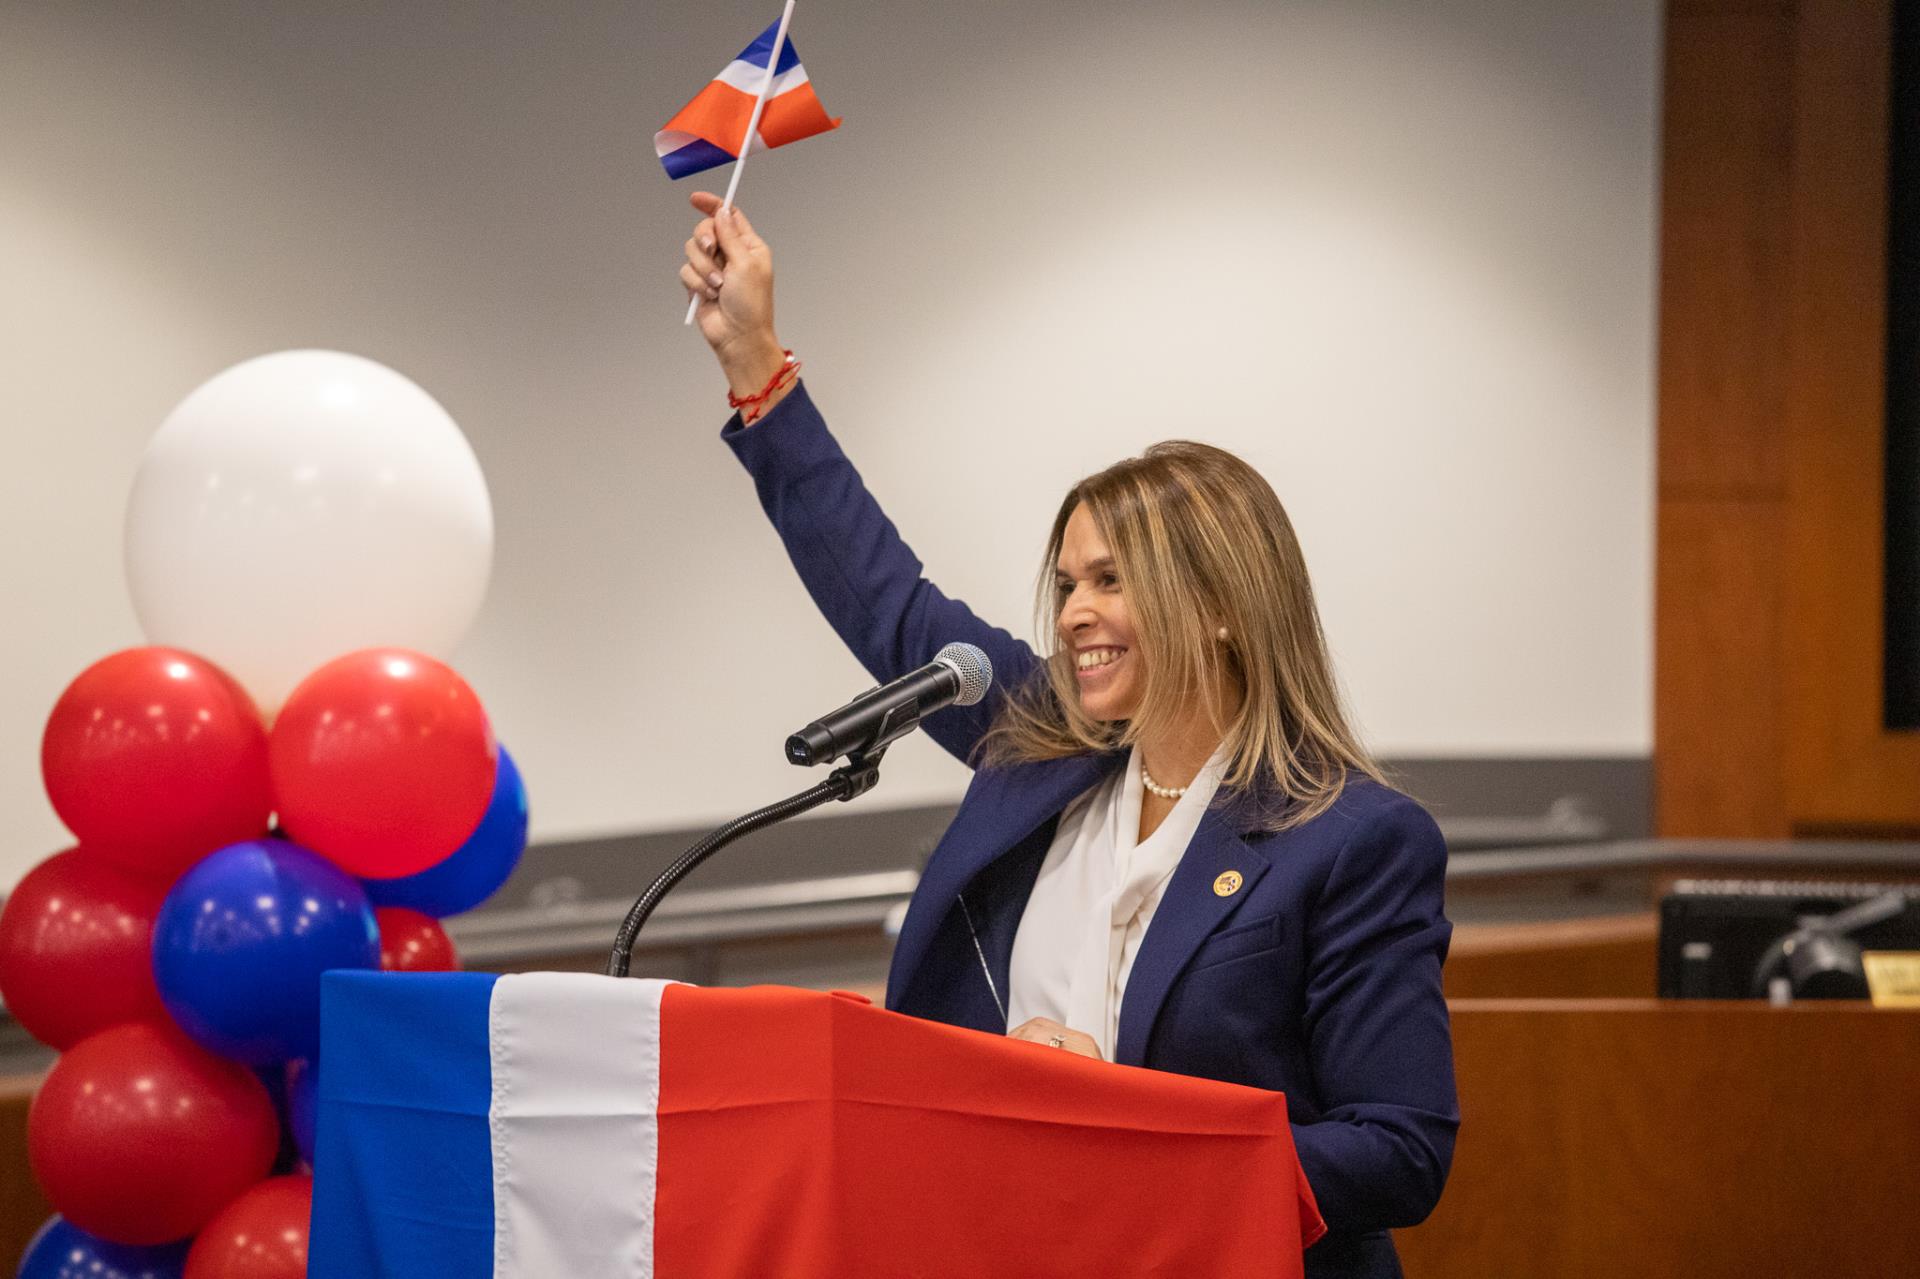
(667, 141)
(574, 1123)
(746, 77)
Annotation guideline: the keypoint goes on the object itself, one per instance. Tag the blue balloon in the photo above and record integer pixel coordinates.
(302, 1098)
(64, 1251)
(478, 867)
(241, 940)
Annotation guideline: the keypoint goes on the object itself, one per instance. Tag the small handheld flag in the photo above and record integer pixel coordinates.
(710, 130)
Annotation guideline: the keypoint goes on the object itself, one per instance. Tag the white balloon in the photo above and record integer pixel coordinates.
(302, 505)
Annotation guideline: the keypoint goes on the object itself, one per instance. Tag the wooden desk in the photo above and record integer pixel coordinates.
(1605, 957)
(22, 1206)
(1647, 1138)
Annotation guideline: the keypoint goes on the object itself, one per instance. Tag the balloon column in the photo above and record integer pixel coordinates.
(288, 779)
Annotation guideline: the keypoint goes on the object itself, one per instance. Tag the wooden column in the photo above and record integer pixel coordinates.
(1726, 161)
(1769, 641)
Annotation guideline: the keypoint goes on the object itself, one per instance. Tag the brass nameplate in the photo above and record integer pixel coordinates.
(1893, 977)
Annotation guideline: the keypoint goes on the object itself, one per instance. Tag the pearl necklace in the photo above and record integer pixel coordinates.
(1164, 792)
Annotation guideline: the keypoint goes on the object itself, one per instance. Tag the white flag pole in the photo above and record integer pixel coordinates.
(753, 126)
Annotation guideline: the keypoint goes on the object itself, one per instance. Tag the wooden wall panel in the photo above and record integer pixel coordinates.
(1717, 680)
(1726, 146)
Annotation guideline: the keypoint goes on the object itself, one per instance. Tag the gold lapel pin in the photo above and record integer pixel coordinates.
(1227, 884)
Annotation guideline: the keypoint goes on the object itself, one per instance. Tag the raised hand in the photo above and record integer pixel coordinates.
(730, 269)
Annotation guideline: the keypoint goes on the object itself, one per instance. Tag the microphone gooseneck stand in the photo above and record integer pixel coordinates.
(1820, 959)
(852, 779)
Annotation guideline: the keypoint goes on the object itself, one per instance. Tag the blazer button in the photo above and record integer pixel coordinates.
(1227, 884)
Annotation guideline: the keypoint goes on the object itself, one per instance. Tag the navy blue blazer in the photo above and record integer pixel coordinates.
(1319, 978)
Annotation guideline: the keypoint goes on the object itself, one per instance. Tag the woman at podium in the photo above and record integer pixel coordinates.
(1174, 852)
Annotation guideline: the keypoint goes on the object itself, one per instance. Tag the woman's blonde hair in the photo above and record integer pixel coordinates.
(1200, 542)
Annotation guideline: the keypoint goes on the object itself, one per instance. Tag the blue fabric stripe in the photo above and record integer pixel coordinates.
(403, 1159)
(697, 156)
(757, 52)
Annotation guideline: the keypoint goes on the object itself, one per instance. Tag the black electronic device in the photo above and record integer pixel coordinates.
(1739, 939)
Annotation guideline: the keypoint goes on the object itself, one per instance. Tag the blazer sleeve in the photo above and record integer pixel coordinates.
(1376, 1026)
(863, 577)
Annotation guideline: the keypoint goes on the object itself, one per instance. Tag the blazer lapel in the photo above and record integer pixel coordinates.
(1189, 911)
(992, 821)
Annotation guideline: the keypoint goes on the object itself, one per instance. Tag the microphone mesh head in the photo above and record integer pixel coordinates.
(972, 666)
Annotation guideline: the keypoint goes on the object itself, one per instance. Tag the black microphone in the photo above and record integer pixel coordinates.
(957, 676)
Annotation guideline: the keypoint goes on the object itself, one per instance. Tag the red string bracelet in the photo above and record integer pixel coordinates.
(752, 406)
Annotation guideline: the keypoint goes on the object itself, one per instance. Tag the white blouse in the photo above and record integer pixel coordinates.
(1097, 891)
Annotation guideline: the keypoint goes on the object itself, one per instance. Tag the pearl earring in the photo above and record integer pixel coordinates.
(1222, 634)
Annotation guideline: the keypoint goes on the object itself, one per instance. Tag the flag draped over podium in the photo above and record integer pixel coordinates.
(549, 1124)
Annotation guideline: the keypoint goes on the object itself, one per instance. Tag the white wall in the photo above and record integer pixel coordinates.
(1400, 254)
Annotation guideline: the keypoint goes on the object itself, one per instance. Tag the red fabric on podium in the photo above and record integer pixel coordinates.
(807, 1135)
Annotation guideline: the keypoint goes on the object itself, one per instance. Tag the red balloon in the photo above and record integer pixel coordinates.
(411, 942)
(260, 1235)
(76, 949)
(154, 758)
(139, 1135)
(383, 761)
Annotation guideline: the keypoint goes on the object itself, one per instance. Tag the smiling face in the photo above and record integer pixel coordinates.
(1211, 643)
(1095, 627)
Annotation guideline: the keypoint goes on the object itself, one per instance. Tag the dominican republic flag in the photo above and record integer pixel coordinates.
(707, 131)
(548, 1125)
